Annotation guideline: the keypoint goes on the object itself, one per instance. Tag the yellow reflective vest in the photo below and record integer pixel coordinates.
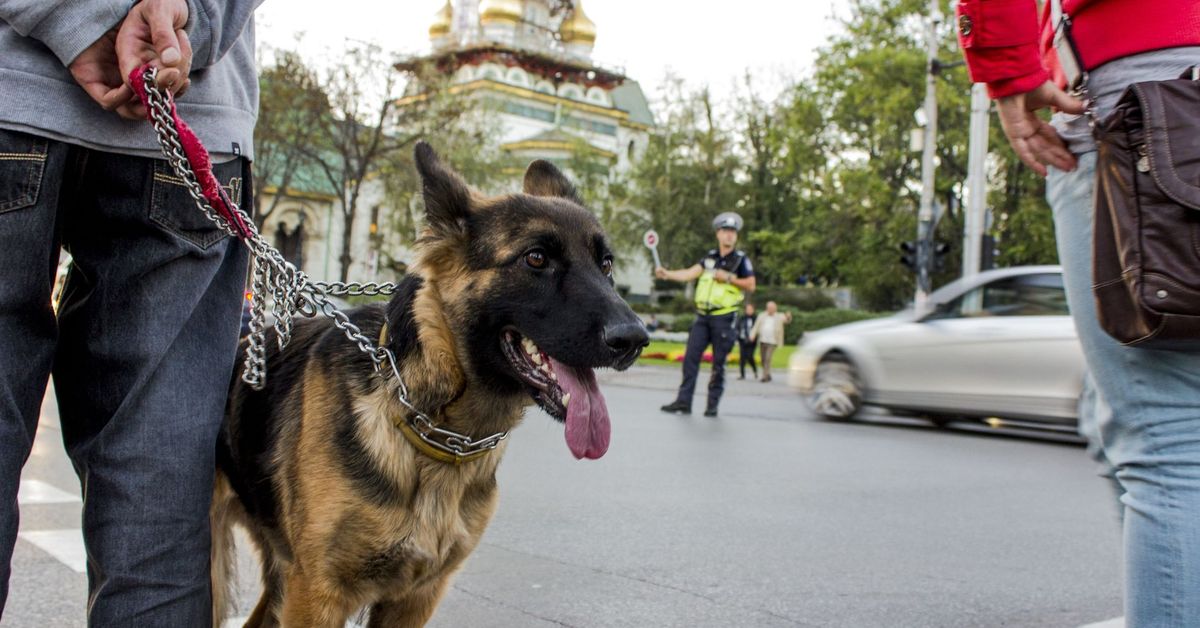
(715, 298)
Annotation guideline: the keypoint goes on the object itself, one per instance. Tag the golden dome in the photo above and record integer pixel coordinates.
(579, 28)
(500, 11)
(441, 21)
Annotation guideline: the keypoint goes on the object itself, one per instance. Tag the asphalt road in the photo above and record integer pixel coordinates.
(763, 517)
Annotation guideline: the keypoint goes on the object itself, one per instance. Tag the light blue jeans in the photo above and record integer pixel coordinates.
(1151, 435)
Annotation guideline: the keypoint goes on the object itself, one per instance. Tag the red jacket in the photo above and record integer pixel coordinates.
(1009, 48)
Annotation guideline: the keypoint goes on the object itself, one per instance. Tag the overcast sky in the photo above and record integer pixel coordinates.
(703, 41)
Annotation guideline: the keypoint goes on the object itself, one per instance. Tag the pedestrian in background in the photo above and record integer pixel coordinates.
(769, 330)
(725, 274)
(143, 345)
(746, 346)
(1152, 431)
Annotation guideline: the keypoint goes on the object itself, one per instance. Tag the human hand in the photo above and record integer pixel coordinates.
(1034, 140)
(96, 71)
(723, 276)
(660, 272)
(153, 33)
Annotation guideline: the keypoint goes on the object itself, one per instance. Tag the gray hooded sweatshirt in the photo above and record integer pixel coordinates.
(40, 38)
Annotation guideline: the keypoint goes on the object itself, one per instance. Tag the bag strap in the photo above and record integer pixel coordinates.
(1056, 12)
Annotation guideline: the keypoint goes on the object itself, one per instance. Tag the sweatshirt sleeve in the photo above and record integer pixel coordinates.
(66, 27)
(214, 26)
(999, 39)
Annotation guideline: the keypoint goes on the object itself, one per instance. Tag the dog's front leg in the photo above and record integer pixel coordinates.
(411, 611)
(307, 604)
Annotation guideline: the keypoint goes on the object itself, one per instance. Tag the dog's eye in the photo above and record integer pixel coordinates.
(606, 265)
(536, 258)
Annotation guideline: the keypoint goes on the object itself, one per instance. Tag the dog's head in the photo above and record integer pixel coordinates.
(526, 282)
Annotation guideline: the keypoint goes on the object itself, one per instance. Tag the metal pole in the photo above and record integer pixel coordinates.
(925, 213)
(976, 180)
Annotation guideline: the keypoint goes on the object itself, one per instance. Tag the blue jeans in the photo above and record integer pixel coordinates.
(717, 331)
(1151, 435)
(142, 350)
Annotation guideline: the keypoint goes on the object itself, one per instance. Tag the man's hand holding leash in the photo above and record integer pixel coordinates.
(152, 33)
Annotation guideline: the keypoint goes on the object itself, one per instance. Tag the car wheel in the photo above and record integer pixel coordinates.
(837, 389)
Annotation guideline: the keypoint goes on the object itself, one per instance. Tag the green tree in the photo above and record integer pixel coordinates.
(470, 144)
(687, 175)
(857, 196)
(292, 110)
(608, 195)
(368, 124)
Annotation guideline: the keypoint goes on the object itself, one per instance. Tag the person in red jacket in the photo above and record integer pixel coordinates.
(1150, 430)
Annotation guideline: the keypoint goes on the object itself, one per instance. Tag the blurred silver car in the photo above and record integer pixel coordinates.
(996, 346)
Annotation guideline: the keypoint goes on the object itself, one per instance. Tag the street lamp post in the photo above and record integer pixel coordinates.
(925, 216)
(976, 213)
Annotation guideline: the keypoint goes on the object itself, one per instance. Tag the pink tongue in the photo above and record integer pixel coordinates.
(588, 427)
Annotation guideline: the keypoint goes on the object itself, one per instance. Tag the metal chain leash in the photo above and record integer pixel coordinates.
(293, 293)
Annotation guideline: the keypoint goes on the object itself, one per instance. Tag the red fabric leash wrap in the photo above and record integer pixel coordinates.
(197, 156)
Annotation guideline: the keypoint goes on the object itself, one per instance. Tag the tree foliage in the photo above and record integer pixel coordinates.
(350, 127)
(687, 174)
(292, 107)
(824, 174)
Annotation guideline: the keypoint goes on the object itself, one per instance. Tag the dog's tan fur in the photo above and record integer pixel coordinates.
(331, 547)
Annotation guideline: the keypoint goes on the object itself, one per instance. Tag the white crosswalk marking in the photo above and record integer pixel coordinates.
(64, 545)
(1118, 622)
(38, 492)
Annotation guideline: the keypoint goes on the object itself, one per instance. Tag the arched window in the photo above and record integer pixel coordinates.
(545, 87)
(465, 74)
(598, 96)
(517, 76)
(290, 242)
(491, 72)
(574, 92)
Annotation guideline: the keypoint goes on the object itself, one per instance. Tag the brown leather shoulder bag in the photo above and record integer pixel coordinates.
(1146, 263)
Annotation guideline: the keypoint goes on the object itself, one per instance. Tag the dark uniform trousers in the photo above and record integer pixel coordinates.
(719, 332)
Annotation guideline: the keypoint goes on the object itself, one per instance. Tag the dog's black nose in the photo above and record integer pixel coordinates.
(626, 339)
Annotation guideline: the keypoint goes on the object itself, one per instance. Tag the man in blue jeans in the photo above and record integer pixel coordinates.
(143, 345)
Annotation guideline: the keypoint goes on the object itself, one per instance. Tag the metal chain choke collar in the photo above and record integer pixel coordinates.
(292, 293)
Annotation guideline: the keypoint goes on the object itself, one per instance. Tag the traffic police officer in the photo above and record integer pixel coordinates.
(725, 275)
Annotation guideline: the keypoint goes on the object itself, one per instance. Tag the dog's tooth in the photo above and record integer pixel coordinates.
(566, 399)
(553, 375)
(537, 358)
(528, 345)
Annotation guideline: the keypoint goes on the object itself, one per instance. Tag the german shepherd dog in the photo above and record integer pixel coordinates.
(510, 302)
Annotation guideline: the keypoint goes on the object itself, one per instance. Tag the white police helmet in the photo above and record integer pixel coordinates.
(728, 220)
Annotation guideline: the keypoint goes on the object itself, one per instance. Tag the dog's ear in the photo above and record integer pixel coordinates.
(447, 197)
(544, 179)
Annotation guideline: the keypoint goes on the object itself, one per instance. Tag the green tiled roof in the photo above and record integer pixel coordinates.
(630, 98)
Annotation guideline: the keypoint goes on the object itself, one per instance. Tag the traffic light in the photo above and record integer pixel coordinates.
(987, 256)
(940, 251)
(909, 258)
